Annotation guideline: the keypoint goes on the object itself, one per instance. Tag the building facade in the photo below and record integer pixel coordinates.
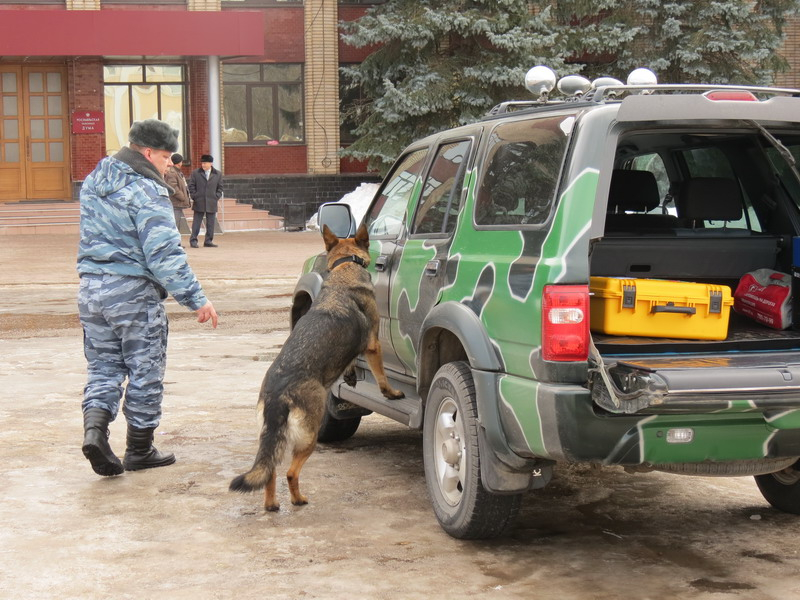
(255, 83)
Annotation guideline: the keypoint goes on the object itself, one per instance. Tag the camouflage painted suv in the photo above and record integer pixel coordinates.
(483, 242)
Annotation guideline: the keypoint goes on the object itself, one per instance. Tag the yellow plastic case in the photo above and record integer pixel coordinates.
(659, 308)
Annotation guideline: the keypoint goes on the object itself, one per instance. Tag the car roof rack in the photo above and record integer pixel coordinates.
(609, 92)
(612, 93)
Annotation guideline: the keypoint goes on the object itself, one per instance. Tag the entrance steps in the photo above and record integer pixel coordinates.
(32, 218)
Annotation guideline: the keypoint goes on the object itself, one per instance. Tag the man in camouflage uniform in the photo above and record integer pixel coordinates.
(129, 259)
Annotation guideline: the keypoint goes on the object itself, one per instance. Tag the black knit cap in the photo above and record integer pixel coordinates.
(177, 159)
(154, 134)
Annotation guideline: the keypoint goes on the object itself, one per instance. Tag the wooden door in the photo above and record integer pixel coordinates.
(34, 139)
(12, 135)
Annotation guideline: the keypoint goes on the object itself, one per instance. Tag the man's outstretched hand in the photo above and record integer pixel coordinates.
(206, 312)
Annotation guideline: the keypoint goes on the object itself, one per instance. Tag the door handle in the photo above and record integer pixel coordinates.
(381, 262)
(431, 268)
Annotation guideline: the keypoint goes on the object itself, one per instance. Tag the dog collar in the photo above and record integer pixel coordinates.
(352, 258)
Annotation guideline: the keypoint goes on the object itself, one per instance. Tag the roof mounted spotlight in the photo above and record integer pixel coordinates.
(574, 85)
(540, 81)
(642, 77)
(605, 81)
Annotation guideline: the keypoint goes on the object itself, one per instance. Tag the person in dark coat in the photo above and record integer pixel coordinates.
(180, 192)
(205, 188)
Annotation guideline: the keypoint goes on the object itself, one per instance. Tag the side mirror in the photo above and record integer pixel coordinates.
(338, 218)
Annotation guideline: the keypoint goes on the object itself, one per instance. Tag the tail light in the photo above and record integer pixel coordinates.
(565, 322)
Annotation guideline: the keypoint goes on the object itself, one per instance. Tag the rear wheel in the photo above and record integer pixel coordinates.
(336, 430)
(782, 489)
(452, 460)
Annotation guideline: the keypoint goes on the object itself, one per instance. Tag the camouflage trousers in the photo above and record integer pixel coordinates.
(125, 332)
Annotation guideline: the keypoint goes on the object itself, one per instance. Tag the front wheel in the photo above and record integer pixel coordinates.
(782, 489)
(452, 461)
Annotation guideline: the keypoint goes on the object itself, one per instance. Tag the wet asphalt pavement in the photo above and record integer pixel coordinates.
(368, 531)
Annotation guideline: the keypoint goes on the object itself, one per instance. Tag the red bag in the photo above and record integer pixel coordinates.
(765, 296)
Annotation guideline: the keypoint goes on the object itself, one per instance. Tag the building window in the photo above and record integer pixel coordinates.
(139, 92)
(263, 103)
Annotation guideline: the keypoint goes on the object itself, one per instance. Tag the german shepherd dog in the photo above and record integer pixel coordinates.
(341, 324)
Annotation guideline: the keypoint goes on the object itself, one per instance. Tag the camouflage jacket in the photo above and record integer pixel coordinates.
(128, 228)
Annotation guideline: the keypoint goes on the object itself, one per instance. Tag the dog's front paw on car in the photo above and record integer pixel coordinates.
(392, 394)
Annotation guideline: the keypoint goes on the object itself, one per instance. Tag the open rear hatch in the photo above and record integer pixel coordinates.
(696, 383)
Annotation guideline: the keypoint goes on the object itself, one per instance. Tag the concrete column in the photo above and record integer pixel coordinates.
(214, 111)
(322, 86)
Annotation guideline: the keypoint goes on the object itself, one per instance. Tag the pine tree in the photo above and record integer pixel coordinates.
(447, 62)
(441, 63)
(705, 41)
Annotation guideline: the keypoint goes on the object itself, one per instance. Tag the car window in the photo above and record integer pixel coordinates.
(654, 164)
(385, 218)
(438, 205)
(783, 168)
(712, 162)
(522, 167)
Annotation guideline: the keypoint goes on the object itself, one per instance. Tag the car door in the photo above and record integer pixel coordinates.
(419, 267)
(386, 224)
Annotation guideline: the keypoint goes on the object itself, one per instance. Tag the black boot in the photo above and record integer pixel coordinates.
(141, 454)
(95, 443)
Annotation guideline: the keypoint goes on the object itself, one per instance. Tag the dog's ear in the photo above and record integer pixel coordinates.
(362, 237)
(330, 238)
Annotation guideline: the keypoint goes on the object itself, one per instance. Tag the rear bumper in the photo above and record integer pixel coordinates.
(563, 423)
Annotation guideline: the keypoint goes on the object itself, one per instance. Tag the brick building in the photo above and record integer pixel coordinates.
(255, 83)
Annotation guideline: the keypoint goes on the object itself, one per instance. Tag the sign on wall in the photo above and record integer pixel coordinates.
(88, 121)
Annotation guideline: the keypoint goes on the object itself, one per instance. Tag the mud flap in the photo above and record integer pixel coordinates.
(498, 478)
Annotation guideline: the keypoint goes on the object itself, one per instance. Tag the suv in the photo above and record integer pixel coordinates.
(483, 241)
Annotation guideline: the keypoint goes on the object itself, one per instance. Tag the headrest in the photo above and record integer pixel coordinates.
(710, 199)
(633, 190)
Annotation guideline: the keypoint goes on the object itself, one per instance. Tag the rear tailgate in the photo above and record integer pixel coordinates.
(697, 383)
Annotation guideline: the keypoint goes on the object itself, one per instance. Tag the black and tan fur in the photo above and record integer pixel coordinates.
(341, 324)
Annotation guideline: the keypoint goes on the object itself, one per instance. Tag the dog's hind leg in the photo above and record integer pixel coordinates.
(270, 503)
(374, 357)
(299, 458)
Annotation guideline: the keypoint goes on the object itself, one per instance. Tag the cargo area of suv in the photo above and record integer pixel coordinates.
(704, 206)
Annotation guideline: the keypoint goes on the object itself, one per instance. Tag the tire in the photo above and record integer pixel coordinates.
(337, 430)
(452, 461)
(782, 489)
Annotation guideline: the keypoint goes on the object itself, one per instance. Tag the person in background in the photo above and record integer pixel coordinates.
(205, 189)
(180, 192)
(129, 259)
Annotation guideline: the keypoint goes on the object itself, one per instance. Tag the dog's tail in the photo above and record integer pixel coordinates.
(272, 443)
